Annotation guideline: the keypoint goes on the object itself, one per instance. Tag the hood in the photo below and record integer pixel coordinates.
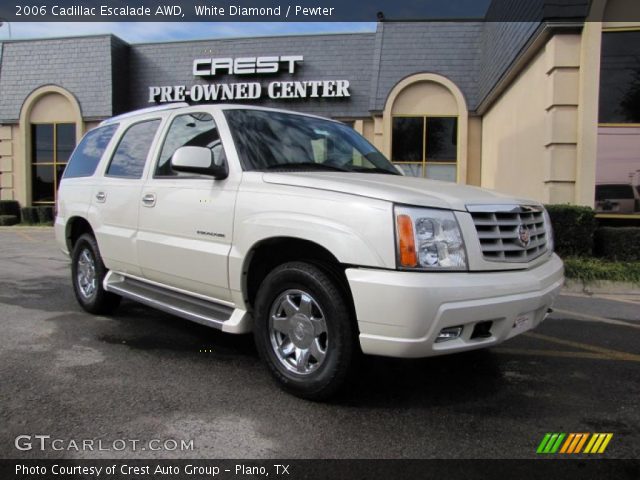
(395, 188)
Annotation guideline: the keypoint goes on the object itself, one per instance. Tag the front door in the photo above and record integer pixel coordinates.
(186, 221)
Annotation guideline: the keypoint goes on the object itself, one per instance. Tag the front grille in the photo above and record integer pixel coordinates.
(501, 231)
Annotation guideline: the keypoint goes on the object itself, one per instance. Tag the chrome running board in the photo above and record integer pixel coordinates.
(190, 308)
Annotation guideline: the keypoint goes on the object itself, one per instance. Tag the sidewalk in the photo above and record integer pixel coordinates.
(603, 288)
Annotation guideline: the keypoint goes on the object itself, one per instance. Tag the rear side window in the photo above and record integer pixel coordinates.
(87, 155)
(131, 154)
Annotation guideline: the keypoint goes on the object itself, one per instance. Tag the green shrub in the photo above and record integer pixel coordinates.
(589, 270)
(44, 214)
(573, 229)
(618, 243)
(37, 215)
(29, 215)
(6, 220)
(10, 207)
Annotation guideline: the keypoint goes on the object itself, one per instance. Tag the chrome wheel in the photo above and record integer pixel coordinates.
(298, 332)
(86, 273)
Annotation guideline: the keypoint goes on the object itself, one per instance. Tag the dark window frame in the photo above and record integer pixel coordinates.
(424, 147)
(606, 123)
(54, 163)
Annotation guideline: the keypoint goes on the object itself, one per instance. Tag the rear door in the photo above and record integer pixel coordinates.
(116, 198)
(186, 221)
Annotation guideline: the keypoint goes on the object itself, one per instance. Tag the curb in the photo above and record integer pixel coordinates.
(24, 227)
(601, 287)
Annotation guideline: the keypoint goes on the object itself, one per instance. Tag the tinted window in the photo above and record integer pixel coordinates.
(190, 130)
(86, 157)
(620, 78)
(442, 139)
(407, 139)
(605, 192)
(42, 143)
(65, 141)
(42, 187)
(272, 140)
(130, 156)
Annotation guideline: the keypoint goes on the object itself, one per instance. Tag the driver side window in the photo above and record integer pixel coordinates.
(189, 130)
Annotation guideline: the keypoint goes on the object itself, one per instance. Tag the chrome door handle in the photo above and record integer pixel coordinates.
(149, 200)
(101, 197)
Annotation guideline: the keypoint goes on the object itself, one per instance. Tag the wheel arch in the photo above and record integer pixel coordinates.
(268, 253)
(76, 226)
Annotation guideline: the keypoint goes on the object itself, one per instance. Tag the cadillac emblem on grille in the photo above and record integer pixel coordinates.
(524, 236)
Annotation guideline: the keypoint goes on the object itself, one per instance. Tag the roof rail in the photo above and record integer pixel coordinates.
(158, 108)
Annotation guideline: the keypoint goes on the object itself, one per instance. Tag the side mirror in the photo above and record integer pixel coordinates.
(199, 160)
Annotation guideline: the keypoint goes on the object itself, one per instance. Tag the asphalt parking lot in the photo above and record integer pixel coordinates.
(142, 374)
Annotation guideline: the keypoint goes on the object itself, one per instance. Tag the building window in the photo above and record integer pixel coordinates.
(618, 164)
(51, 147)
(620, 77)
(426, 146)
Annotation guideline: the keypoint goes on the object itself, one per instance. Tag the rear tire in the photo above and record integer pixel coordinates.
(87, 275)
(304, 331)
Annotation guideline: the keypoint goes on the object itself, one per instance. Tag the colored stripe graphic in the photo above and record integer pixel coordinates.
(581, 442)
(543, 443)
(576, 443)
(598, 443)
(565, 447)
(550, 443)
(573, 444)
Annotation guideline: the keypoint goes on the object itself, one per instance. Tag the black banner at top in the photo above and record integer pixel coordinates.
(313, 10)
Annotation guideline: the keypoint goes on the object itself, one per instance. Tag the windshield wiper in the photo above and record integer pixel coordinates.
(309, 165)
(373, 170)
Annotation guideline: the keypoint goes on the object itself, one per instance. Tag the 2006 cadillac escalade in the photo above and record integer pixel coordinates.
(296, 228)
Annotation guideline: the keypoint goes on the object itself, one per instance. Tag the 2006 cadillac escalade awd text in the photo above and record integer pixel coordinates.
(296, 228)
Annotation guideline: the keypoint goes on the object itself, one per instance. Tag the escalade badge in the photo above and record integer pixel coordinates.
(524, 236)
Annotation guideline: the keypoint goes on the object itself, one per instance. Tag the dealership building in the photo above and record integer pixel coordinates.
(543, 109)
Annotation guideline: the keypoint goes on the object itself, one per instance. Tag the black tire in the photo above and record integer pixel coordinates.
(301, 282)
(94, 300)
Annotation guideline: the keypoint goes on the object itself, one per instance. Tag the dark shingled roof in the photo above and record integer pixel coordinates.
(109, 76)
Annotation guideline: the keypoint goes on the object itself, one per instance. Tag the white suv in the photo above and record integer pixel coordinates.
(296, 228)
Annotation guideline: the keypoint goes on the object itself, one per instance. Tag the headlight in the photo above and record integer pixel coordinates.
(429, 239)
(549, 229)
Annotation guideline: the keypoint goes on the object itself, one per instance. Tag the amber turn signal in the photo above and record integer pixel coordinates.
(406, 239)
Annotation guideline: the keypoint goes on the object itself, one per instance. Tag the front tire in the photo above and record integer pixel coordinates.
(87, 276)
(304, 331)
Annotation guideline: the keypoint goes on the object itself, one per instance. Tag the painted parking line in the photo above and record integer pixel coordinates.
(629, 298)
(24, 235)
(29, 234)
(614, 354)
(594, 318)
(550, 353)
(592, 351)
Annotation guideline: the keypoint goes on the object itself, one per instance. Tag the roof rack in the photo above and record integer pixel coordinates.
(159, 108)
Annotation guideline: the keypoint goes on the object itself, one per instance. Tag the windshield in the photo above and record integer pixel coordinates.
(281, 141)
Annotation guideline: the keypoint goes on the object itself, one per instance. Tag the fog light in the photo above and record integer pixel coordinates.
(449, 333)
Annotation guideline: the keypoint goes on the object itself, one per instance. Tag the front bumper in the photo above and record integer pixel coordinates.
(400, 314)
